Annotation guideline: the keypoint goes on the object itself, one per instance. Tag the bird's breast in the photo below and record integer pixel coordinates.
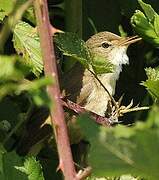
(97, 98)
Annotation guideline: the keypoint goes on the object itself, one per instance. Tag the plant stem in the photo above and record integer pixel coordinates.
(79, 110)
(20, 122)
(73, 14)
(73, 23)
(111, 97)
(57, 115)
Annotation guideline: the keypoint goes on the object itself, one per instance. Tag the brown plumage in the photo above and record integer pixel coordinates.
(82, 87)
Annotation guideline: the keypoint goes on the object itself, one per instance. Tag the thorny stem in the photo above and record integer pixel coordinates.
(50, 69)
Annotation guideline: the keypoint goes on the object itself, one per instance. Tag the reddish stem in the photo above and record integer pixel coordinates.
(79, 110)
(50, 69)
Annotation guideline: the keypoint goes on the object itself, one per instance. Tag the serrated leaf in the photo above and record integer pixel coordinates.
(152, 87)
(156, 24)
(152, 74)
(71, 45)
(148, 10)
(113, 153)
(32, 168)
(26, 43)
(101, 65)
(152, 83)
(144, 28)
(8, 172)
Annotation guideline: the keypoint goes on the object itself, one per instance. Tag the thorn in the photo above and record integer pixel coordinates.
(55, 30)
(59, 167)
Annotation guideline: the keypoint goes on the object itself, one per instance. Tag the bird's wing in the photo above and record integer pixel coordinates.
(72, 85)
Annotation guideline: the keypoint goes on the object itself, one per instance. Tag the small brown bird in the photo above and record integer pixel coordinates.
(83, 88)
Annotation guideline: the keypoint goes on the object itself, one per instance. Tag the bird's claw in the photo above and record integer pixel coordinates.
(119, 110)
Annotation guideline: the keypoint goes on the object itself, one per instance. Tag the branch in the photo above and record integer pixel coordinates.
(73, 14)
(79, 109)
(57, 115)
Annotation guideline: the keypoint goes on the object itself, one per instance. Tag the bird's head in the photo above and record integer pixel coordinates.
(111, 46)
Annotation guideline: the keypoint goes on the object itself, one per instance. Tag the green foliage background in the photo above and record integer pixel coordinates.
(27, 146)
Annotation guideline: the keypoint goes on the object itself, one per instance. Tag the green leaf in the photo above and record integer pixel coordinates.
(13, 71)
(144, 28)
(101, 65)
(152, 118)
(9, 6)
(148, 10)
(38, 94)
(152, 87)
(156, 24)
(6, 7)
(7, 163)
(152, 74)
(122, 150)
(152, 83)
(26, 43)
(12, 80)
(13, 68)
(146, 24)
(29, 15)
(36, 90)
(32, 168)
(71, 45)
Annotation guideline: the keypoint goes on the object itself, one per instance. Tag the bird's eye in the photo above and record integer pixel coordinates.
(105, 45)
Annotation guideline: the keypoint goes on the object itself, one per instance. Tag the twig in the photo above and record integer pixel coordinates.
(96, 77)
(57, 115)
(79, 109)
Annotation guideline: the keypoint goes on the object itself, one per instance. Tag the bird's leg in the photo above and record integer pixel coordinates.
(119, 110)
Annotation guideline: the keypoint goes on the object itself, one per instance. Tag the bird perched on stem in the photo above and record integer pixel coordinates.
(84, 87)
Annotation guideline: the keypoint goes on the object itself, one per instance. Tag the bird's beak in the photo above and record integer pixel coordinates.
(129, 40)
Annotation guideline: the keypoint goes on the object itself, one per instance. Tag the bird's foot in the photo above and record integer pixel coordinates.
(118, 110)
